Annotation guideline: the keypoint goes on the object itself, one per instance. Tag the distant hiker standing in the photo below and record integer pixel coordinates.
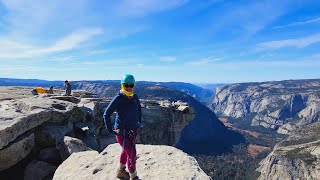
(68, 86)
(127, 121)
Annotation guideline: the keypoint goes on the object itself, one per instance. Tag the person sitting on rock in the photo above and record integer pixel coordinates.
(50, 90)
(68, 88)
(127, 122)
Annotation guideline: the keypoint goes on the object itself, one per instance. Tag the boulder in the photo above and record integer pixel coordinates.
(49, 134)
(20, 115)
(39, 170)
(71, 145)
(16, 151)
(153, 162)
(50, 155)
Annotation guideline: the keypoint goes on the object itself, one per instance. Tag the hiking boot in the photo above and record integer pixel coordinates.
(122, 173)
(135, 178)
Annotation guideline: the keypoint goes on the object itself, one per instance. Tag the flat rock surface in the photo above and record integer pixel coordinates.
(12, 92)
(20, 111)
(153, 162)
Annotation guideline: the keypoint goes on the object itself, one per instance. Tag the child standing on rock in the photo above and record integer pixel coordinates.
(128, 120)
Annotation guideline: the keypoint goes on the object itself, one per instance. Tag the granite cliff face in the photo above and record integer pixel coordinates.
(297, 157)
(162, 121)
(282, 105)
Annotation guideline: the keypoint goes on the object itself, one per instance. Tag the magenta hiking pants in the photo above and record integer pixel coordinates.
(128, 150)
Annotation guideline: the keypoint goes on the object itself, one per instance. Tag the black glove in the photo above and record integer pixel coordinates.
(117, 132)
(109, 127)
(131, 134)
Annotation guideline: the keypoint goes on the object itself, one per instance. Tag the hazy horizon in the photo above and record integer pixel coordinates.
(195, 83)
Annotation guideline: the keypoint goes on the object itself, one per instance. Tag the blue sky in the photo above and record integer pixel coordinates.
(211, 41)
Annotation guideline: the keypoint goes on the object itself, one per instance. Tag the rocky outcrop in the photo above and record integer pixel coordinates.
(16, 151)
(153, 162)
(20, 114)
(71, 145)
(172, 119)
(42, 125)
(283, 105)
(39, 170)
(162, 121)
(297, 157)
(205, 96)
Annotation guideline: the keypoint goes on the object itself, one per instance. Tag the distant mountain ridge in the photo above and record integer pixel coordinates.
(210, 86)
(280, 105)
(28, 82)
(205, 96)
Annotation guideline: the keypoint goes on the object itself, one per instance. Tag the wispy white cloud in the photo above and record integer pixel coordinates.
(109, 50)
(246, 19)
(71, 41)
(307, 61)
(204, 61)
(315, 56)
(60, 59)
(42, 27)
(16, 68)
(125, 31)
(282, 64)
(133, 8)
(140, 66)
(6, 43)
(105, 62)
(100, 51)
(298, 42)
(168, 58)
(314, 20)
(15, 49)
(41, 17)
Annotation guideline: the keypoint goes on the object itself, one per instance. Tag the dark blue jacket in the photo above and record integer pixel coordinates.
(128, 112)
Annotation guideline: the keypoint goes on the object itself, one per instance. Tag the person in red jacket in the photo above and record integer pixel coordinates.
(127, 122)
